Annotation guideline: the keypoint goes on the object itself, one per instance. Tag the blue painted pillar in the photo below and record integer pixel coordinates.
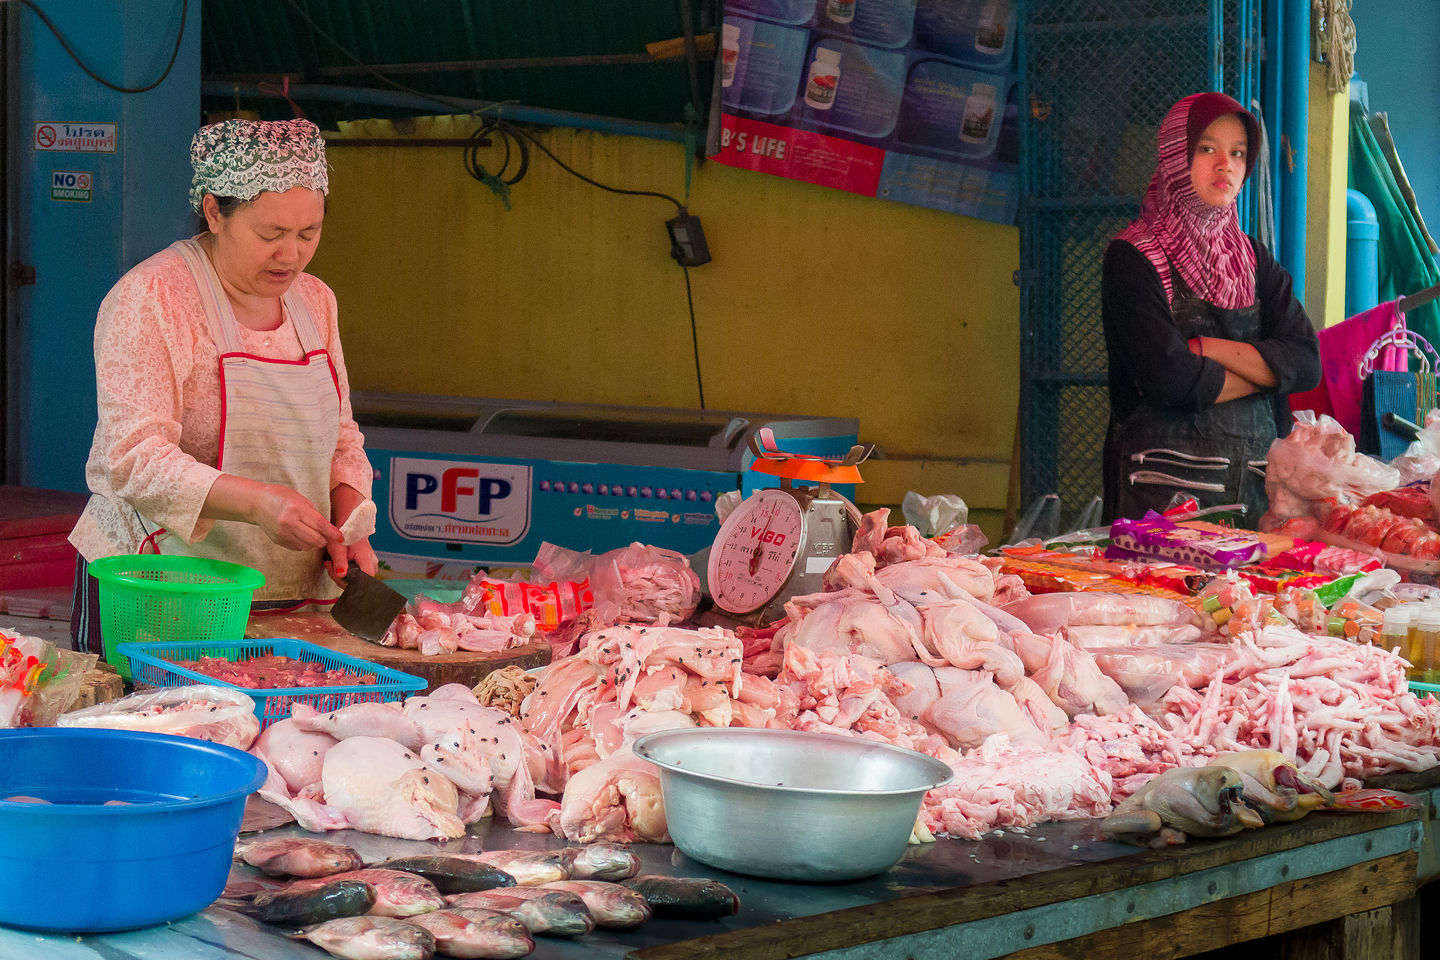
(1294, 125)
(100, 181)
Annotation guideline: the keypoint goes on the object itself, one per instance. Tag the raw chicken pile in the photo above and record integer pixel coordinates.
(1047, 707)
(436, 628)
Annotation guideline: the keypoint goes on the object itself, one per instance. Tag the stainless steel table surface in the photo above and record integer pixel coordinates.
(1043, 854)
(220, 932)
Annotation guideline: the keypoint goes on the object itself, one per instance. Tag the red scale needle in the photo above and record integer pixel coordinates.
(760, 546)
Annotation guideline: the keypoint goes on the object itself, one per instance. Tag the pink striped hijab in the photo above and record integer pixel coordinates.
(1176, 227)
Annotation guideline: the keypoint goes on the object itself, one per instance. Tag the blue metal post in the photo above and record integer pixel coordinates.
(88, 208)
(1273, 34)
(1295, 93)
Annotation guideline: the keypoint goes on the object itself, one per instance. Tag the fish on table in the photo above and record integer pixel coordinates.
(530, 868)
(613, 905)
(299, 857)
(452, 873)
(397, 894)
(544, 912)
(601, 861)
(694, 898)
(475, 932)
(371, 938)
(316, 902)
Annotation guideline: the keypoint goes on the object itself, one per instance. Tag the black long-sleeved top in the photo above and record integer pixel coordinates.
(1149, 357)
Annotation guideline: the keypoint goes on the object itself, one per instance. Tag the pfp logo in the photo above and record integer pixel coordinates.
(459, 501)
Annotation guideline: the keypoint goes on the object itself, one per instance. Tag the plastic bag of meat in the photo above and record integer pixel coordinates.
(1318, 460)
(218, 714)
(38, 682)
(933, 516)
(1146, 673)
(644, 584)
(1421, 460)
(1048, 612)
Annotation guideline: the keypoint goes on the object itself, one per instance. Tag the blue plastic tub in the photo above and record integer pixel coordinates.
(77, 866)
(153, 664)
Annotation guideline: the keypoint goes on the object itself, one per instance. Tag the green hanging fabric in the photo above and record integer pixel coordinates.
(1405, 261)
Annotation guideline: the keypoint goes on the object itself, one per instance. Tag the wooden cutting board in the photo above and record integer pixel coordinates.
(462, 666)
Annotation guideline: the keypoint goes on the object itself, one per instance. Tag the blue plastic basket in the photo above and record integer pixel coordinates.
(1425, 689)
(153, 665)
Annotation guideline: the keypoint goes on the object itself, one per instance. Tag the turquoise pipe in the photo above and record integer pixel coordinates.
(450, 105)
(1294, 124)
(1362, 253)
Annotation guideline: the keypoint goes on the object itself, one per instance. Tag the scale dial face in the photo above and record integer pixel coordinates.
(755, 551)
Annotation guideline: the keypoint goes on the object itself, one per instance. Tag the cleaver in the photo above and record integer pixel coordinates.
(367, 606)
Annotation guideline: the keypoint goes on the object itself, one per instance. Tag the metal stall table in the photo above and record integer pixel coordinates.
(1054, 890)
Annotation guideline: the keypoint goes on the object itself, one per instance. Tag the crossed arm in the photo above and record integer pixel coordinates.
(1246, 372)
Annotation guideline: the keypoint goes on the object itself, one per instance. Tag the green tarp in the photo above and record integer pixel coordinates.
(1406, 265)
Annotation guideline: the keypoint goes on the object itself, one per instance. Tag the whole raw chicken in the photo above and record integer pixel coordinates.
(1274, 787)
(298, 756)
(379, 786)
(1182, 802)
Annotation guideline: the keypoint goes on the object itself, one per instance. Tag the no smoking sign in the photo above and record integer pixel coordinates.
(73, 185)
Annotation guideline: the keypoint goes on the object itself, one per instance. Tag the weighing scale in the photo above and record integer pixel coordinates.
(778, 542)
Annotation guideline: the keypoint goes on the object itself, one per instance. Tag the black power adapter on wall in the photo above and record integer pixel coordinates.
(687, 240)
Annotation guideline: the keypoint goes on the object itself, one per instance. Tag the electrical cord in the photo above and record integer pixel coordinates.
(577, 174)
(501, 181)
(509, 134)
(694, 337)
(65, 44)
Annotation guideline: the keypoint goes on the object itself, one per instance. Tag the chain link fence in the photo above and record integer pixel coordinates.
(1096, 80)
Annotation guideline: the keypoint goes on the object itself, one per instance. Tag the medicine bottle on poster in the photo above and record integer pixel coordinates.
(824, 79)
(979, 113)
(729, 53)
(990, 30)
(840, 11)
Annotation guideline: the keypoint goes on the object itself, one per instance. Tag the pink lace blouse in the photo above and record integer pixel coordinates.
(158, 436)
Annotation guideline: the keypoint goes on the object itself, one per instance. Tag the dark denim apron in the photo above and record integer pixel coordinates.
(1216, 456)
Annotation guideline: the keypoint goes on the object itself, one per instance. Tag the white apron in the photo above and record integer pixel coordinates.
(279, 423)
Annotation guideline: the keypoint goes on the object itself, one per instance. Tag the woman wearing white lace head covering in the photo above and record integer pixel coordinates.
(225, 427)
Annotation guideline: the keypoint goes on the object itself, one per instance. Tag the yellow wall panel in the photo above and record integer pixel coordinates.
(816, 301)
(1327, 172)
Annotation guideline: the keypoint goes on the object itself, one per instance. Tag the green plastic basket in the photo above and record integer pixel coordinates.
(156, 598)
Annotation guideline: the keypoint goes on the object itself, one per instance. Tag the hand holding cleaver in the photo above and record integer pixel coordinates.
(367, 606)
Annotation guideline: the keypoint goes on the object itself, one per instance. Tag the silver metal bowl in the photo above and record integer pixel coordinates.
(789, 805)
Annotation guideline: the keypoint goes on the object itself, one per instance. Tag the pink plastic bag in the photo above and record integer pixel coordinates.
(1341, 348)
(644, 583)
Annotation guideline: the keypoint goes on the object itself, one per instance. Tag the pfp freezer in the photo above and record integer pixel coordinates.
(465, 482)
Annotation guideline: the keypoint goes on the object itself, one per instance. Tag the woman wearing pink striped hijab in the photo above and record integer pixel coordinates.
(1204, 334)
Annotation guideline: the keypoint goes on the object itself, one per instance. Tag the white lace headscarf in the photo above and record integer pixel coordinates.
(240, 158)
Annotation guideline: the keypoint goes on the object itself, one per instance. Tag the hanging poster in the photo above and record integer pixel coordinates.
(908, 100)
